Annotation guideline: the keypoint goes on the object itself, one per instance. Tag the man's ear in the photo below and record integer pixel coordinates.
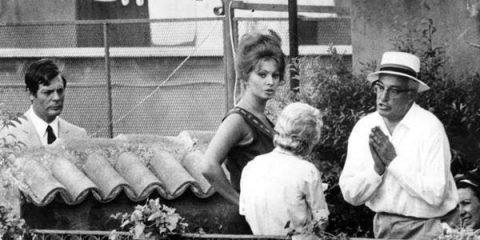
(31, 96)
(413, 96)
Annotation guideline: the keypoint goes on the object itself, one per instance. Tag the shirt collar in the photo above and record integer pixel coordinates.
(40, 125)
(409, 120)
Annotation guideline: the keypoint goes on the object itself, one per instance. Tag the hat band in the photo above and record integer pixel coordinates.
(407, 71)
(468, 182)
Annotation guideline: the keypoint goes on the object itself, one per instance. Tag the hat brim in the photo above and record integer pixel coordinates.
(422, 87)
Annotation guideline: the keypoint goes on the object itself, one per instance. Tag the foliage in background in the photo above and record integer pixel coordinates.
(344, 98)
(8, 148)
(456, 102)
(151, 221)
(314, 228)
(460, 234)
(11, 226)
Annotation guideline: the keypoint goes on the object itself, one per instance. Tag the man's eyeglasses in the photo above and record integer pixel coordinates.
(378, 88)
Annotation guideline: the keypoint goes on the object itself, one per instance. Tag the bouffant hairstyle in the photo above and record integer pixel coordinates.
(255, 47)
(298, 128)
(41, 72)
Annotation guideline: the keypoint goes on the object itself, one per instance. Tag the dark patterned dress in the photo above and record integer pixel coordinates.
(262, 143)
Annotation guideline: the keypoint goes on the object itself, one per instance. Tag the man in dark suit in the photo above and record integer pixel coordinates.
(42, 124)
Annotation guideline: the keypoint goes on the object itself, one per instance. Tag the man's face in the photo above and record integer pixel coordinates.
(469, 208)
(48, 102)
(393, 102)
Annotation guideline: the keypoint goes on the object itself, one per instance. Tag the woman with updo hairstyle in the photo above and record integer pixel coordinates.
(282, 188)
(256, 47)
(245, 131)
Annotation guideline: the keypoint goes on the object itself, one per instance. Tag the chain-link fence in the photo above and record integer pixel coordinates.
(142, 75)
(314, 34)
(124, 76)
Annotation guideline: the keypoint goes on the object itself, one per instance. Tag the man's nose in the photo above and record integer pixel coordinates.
(384, 95)
(56, 95)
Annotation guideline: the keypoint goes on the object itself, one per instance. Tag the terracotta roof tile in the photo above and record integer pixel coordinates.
(137, 165)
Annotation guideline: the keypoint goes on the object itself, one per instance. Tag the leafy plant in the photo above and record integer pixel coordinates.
(315, 228)
(8, 143)
(460, 234)
(11, 226)
(151, 220)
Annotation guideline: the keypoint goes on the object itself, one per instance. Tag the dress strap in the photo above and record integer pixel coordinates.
(253, 120)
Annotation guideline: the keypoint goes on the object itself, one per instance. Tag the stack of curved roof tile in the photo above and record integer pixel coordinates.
(135, 164)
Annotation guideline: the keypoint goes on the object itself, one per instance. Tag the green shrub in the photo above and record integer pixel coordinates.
(344, 98)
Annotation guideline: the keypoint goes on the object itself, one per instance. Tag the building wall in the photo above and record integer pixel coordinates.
(133, 34)
(376, 22)
(32, 11)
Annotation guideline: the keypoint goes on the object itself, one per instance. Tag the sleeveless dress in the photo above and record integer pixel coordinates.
(262, 143)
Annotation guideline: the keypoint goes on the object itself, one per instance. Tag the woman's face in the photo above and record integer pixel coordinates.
(264, 80)
(469, 208)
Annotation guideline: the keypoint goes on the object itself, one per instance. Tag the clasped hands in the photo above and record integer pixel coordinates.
(382, 150)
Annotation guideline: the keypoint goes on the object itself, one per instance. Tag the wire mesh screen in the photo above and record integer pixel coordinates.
(314, 34)
(193, 98)
(165, 75)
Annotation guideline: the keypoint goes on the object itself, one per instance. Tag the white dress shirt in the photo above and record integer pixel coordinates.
(417, 183)
(278, 187)
(41, 126)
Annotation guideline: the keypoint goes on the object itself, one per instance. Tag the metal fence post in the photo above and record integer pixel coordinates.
(293, 39)
(228, 56)
(109, 80)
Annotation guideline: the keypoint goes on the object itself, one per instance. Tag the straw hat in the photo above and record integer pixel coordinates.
(400, 64)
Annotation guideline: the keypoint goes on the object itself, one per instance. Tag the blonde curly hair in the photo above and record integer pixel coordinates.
(298, 128)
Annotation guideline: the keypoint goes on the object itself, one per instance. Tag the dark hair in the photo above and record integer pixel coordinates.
(256, 46)
(470, 179)
(41, 72)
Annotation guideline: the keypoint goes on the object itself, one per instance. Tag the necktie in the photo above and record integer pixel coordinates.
(50, 135)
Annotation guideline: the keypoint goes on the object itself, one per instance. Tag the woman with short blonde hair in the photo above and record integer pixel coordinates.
(282, 188)
(298, 128)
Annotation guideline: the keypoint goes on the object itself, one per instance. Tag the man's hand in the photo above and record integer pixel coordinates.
(379, 166)
(382, 146)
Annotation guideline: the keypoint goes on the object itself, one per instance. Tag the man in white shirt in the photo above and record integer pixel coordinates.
(398, 158)
(42, 124)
